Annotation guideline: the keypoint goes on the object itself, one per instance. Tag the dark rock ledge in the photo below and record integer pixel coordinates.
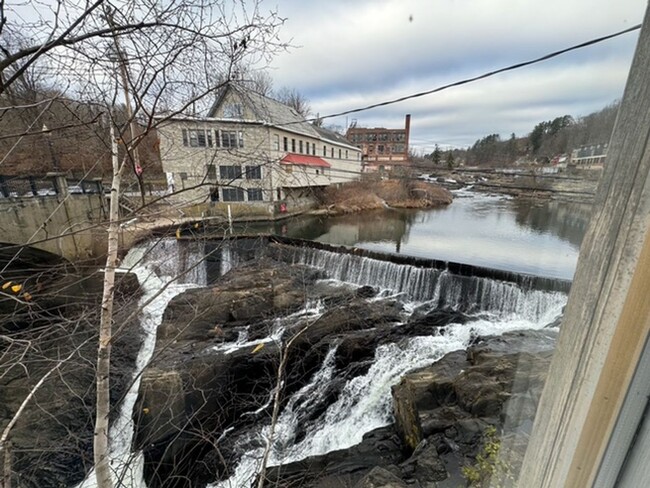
(441, 413)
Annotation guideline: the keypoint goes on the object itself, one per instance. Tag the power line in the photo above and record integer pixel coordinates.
(477, 78)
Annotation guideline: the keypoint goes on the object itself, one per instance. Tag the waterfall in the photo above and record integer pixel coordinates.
(421, 284)
(156, 267)
(365, 402)
(285, 428)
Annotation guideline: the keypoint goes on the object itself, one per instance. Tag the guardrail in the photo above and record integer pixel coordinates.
(48, 185)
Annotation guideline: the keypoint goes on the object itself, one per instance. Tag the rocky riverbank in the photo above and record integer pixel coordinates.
(443, 418)
(211, 385)
(371, 195)
(52, 330)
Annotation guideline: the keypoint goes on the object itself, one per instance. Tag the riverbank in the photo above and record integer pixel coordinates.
(360, 196)
(578, 186)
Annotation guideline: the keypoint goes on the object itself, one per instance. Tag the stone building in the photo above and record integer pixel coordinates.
(253, 150)
(382, 149)
(589, 156)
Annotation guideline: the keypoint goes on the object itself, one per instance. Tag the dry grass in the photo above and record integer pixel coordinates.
(368, 195)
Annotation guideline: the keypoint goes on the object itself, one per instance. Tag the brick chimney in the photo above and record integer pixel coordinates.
(407, 127)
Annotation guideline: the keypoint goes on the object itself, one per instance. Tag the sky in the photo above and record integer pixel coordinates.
(348, 54)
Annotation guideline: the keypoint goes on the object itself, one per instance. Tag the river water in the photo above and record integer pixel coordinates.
(482, 230)
(539, 238)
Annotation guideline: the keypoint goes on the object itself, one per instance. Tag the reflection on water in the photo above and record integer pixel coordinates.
(541, 238)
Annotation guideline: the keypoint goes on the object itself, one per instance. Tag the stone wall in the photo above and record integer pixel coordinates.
(64, 224)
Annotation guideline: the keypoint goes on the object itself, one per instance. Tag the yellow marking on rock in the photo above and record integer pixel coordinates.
(257, 348)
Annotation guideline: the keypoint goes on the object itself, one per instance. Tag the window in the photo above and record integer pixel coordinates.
(197, 138)
(339, 154)
(293, 145)
(255, 195)
(212, 172)
(313, 149)
(276, 142)
(253, 173)
(324, 150)
(233, 195)
(285, 142)
(332, 151)
(380, 148)
(317, 172)
(300, 146)
(346, 154)
(230, 139)
(229, 172)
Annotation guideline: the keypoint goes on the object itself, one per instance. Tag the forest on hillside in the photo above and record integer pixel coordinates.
(546, 140)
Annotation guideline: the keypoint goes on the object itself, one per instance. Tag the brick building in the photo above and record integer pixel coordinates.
(381, 148)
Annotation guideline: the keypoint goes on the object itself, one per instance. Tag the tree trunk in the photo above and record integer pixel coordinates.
(101, 454)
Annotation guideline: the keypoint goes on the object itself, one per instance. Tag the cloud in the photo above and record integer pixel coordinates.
(355, 54)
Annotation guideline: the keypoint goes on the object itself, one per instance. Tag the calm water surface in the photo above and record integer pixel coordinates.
(492, 231)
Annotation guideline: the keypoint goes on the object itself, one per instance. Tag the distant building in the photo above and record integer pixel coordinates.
(381, 148)
(252, 149)
(589, 156)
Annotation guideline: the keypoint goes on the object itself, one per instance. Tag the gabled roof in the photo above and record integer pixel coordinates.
(265, 109)
(304, 160)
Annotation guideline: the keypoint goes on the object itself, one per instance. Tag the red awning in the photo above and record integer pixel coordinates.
(305, 160)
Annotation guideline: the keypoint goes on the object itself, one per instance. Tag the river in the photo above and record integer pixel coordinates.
(488, 231)
(539, 238)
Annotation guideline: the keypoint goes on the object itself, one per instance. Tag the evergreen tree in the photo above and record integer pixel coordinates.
(450, 160)
(436, 155)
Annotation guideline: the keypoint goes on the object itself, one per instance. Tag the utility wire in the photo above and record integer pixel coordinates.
(476, 78)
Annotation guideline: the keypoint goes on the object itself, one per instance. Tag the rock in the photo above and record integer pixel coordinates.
(425, 466)
(453, 402)
(380, 447)
(379, 477)
(256, 292)
(52, 440)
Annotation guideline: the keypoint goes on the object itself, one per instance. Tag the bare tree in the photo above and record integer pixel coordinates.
(295, 99)
(164, 59)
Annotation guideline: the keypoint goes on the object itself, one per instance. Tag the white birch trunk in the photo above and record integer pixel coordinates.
(101, 454)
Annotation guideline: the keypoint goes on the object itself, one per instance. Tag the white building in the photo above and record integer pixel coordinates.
(255, 150)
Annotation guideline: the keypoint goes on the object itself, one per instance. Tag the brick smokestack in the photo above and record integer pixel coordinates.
(407, 127)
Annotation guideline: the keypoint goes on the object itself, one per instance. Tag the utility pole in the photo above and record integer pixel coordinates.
(48, 137)
(130, 147)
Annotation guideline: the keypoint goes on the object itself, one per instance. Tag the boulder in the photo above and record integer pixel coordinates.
(379, 477)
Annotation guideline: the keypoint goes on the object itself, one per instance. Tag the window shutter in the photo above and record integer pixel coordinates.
(217, 134)
(185, 142)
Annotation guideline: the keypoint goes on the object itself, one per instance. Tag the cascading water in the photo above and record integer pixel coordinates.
(163, 271)
(365, 401)
(420, 284)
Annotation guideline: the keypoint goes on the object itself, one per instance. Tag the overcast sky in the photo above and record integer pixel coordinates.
(349, 54)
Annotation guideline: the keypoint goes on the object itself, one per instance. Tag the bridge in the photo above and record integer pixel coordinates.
(54, 214)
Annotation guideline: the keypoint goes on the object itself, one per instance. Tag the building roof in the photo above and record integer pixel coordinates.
(334, 137)
(304, 160)
(266, 109)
